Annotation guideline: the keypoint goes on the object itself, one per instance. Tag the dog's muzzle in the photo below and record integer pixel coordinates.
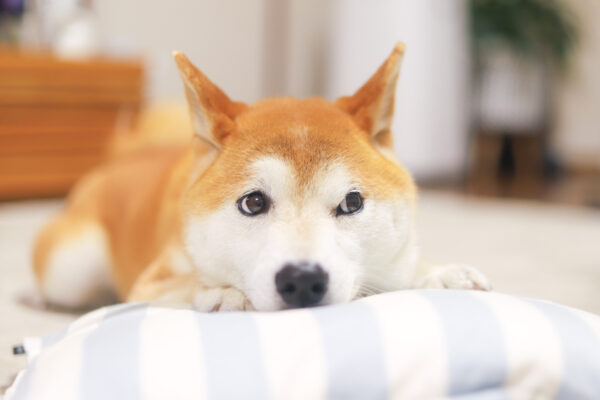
(301, 284)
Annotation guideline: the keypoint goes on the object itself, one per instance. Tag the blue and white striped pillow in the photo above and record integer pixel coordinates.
(424, 344)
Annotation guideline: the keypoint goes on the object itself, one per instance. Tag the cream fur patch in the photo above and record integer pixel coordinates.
(78, 271)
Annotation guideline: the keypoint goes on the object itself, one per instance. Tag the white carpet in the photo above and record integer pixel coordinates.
(534, 250)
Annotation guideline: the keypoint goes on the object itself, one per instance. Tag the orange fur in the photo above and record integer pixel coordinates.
(307, 133)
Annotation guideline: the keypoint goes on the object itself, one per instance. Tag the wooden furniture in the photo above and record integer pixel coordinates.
(504, 165)
(56, 117)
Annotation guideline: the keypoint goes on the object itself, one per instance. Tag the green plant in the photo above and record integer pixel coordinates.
(529, 28)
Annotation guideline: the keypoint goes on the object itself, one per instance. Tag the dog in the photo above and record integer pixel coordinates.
(285, 203)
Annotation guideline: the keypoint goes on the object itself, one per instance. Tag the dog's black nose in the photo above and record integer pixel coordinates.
(301, 284)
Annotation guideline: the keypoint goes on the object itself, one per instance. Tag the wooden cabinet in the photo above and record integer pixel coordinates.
(57, 116)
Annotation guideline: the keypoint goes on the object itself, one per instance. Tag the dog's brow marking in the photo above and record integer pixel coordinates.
(274, 173)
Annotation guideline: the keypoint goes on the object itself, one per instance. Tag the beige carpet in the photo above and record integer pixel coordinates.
(529, 249)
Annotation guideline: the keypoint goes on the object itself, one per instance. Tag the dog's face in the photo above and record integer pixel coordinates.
(303, 203)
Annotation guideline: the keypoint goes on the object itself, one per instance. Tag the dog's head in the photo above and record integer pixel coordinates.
(303, 202)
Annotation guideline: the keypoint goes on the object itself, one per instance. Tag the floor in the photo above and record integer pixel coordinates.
(526, 248)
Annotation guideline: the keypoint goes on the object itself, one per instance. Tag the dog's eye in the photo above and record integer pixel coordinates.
(352, 203)
(253, 204)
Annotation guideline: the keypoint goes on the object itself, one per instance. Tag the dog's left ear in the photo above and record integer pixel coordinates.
(372, 106)
(213, 113)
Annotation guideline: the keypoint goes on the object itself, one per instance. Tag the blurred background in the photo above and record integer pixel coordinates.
(497, 112)
(496, 98)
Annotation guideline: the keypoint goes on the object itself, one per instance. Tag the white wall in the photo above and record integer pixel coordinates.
(333, 47)
(309, 46)
(431, 120)
(223, 38)
(577, 135)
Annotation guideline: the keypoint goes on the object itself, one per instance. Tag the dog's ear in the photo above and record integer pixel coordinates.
(212, 112)
(372, 106)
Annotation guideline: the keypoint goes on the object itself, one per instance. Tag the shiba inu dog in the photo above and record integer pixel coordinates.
(280, 204)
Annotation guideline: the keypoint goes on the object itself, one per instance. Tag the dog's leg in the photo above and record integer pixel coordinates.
(450, 276)
(160, 283)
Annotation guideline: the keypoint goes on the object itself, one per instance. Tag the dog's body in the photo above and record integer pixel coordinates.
(283, 203)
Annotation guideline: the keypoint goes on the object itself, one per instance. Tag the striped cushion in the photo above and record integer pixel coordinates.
(424, 344)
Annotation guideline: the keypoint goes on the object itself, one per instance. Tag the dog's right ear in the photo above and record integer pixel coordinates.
(212, 112)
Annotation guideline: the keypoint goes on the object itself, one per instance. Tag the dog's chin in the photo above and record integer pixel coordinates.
(279, 305)
(268, 305)
(286, 307)
(263, 302)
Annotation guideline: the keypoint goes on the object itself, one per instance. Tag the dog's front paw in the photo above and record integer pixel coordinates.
(455, 276)
(221, 299)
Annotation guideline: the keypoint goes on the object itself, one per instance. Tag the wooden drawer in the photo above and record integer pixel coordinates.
(56, 118)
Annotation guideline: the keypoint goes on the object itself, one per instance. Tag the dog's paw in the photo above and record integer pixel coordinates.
(455, 276)
(221, 299)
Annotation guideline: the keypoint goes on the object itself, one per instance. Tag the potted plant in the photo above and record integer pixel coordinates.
(519, 48)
